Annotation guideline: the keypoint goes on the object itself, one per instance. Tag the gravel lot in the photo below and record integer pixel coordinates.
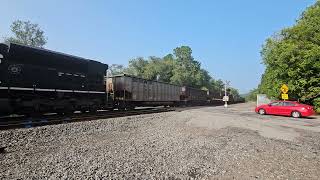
(198, 143)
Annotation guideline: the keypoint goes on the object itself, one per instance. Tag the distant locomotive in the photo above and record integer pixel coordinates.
(35, 80)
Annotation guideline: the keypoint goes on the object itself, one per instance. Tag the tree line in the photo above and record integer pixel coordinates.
(292, 57)
(178, 68)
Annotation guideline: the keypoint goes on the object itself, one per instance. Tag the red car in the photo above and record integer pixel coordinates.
(286, 108)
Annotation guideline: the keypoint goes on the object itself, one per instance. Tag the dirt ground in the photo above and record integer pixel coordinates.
(243, 116)
(197, 143)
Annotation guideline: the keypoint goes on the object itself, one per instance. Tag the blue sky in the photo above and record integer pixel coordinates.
(225, 36)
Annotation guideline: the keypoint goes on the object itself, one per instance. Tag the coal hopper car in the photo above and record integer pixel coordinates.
(40, 80)
(130, 91)
(215, 97)
(193, 96)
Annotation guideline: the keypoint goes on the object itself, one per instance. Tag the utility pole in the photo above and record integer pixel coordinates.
(225, 93)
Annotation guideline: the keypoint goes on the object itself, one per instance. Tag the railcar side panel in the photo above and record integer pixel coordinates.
(193, 95)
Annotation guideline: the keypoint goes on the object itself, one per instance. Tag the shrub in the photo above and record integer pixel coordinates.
(316, 104)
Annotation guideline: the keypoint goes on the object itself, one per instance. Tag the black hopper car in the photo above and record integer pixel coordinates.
(35, 80)
(128, 92)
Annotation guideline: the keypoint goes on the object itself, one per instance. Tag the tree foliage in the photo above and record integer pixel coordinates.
(137, 66)
(159, 69)
(178, 68)
(252, 95)
(116, 69)
(27, 33)
(234, 92)
(292, 57)
(185, 67)
(216, 85)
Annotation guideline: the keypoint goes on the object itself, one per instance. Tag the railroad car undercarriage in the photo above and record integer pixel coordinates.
(29, 101)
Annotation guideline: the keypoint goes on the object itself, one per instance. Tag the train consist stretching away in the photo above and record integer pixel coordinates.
(35, 80)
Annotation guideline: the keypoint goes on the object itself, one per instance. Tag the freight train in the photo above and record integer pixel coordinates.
(36, 80)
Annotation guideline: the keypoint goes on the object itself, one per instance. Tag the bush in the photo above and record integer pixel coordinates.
(316, 104)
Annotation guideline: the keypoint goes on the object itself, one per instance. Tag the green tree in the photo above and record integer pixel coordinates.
(187, 71)
(27, 33)
(217, 86)
(159, 68)
(116, 69)
(316, 103)
(137, 66)
(234, 92)
(292, 57)
(178, 68)
(252, 95)
(183, 66)
(203, 78)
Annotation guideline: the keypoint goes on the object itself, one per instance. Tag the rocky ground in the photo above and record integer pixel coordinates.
(199, 143)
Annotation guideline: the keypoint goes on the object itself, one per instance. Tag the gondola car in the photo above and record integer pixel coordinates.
(215, 97)
(129, 91)
(193, 96)
(39, 80)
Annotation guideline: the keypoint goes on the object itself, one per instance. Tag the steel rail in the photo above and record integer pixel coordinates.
(23, 122)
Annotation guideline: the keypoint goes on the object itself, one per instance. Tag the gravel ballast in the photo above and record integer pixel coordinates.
(156, 146)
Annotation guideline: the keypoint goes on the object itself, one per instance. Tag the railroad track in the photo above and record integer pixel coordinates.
(23, 122)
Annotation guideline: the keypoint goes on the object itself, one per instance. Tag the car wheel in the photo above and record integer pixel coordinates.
(262, 111)
(295, 114)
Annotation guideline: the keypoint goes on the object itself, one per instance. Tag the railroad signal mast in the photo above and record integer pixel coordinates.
(226, 97)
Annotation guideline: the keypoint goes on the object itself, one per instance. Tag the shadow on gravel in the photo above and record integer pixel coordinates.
(310, 117)
(180, 109)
